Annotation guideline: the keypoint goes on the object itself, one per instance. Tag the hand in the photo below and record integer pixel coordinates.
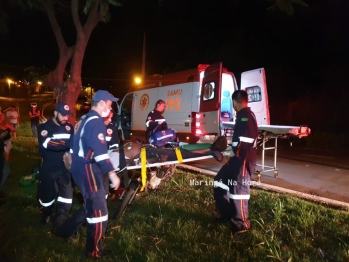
(160, 122)
(115, 180)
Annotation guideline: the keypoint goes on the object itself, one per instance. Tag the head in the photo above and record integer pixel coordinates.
(102, 101)
(34, 106)
(240, 99)
(160, 106)
(107, 119)
(13, 108)
(61, 114)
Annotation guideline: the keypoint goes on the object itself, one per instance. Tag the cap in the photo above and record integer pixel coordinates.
(104, 95)
(63, 109)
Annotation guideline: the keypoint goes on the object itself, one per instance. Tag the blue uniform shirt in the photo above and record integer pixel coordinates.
(54, 141)
(90, 154)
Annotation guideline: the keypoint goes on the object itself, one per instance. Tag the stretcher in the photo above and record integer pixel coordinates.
(269, 132)
(156, 165)
(142, 157)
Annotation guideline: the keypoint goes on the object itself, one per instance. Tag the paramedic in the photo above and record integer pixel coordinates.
(156, 120)
(54, 138)
(90, 163)
(112, 136)
(232, 183)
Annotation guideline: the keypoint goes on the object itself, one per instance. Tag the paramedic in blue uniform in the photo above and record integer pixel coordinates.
(112, 136)
(90, 162)
(232, 183)
(156, 119)
(54, 138)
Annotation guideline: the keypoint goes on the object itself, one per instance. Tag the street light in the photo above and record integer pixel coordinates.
(9, 81)
(138, 80)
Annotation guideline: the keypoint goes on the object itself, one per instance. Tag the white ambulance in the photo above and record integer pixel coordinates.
(198, 103)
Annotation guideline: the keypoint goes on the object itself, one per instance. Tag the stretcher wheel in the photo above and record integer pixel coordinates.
(276, 173)
(128, 197)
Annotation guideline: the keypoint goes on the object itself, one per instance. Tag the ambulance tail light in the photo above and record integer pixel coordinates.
(196, 126)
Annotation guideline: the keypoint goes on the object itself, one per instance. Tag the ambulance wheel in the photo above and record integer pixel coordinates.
(276, 173)
(128, 198)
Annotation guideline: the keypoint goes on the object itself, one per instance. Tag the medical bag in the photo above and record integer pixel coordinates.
(161, 138)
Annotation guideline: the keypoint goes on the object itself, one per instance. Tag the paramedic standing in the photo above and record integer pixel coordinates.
(232, 183)
(90, 163)
(156, 120)
(54, 138)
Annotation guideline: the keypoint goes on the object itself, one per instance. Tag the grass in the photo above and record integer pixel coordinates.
(173, 224)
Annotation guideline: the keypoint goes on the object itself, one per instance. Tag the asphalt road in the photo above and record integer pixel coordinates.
(313, 172)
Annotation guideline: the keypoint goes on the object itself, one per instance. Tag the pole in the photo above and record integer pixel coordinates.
(143, 57)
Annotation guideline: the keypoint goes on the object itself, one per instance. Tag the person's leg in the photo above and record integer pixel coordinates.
(65, 196)
(221, 192)
(97, 220)
(46, 194)
(239, 196)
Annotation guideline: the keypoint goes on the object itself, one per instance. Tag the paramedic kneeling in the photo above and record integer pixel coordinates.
(232, 183)
(90, 163)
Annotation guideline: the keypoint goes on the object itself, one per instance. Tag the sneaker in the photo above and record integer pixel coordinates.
(236, 230)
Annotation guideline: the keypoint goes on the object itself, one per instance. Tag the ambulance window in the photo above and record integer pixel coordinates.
(209, 89)
(254, 94)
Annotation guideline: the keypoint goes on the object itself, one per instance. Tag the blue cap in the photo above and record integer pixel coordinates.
(104, 95)
(63, 109)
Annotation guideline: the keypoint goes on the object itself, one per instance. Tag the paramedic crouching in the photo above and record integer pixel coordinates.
(156, 121)
(90, 163)
(232, 183)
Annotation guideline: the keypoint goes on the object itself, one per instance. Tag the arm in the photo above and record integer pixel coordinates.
(52, 142)
(245, 133)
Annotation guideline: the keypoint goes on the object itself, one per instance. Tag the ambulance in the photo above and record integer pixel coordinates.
(198, 103)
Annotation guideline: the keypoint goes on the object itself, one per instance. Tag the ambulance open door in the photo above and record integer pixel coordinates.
(254, 83)
(207, 122)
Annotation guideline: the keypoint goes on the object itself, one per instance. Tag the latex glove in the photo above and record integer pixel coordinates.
(115, 180)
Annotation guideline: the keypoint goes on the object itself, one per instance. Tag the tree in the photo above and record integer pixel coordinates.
(68, 89)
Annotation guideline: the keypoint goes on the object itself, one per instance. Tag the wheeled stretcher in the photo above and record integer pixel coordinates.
(269, 132)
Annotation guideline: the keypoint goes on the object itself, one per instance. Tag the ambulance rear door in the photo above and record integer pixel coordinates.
(254, 83)
(207, 121)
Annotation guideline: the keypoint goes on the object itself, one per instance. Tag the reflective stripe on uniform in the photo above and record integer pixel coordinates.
(81, 150)
(61, 136)
(108, 138)
(46, 142)
(115, 145)
(246, 139)
(65, 200)
(46, 204)
(147, 123)
(101, 157)
(94, 220)
(239, 196)
(221, 185)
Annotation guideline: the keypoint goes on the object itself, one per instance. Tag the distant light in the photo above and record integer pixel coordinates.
(39, 83)
(138, 80)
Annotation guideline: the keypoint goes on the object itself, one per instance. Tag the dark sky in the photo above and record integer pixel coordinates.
(297, 51)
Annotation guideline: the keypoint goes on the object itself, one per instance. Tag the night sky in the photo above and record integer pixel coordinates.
(307, 52)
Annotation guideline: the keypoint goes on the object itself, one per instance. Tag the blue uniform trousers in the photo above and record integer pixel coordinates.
(53, 182)
(232, 192)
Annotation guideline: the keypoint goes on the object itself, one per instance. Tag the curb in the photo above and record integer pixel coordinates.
(317, 199)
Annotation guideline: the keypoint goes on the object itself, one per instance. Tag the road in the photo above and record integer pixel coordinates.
(308, 171)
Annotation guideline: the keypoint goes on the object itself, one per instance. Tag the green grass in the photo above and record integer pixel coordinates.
(173, 224)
